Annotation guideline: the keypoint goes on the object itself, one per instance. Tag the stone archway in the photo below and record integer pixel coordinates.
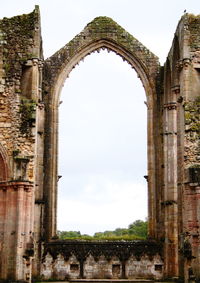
(101, 33)
(173, 149)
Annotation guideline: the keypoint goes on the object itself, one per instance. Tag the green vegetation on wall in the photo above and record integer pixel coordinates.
(192, 116)
(27, 113)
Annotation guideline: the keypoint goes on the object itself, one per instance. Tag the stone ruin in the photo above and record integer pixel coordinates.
(29, 97)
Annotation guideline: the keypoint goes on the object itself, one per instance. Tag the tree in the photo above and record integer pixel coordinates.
(138, 228)
(68, 234)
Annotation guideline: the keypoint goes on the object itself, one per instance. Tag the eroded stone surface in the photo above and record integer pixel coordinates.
(102, 260)
(29, 99)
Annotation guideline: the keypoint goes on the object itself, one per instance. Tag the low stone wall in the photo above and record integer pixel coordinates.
(102, 260)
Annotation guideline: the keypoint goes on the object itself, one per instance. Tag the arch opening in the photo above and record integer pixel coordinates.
(58, 67)
(97, 46)
(110, 163)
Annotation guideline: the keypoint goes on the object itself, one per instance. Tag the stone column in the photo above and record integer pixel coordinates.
(170, 195)
(39, 169)
(123, 269)
(20, 219)
(151, 171)
(16, 212)
(81, 275)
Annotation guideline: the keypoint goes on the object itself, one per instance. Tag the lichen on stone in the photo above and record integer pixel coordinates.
(17, 31)
(192, 115)
(27, 112)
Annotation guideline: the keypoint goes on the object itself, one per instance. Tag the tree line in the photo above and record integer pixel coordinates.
(135, 231)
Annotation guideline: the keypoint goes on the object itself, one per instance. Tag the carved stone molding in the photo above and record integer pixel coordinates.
(27, 186)
(170, 106)
(185, 63)
(122, 249)
(176, 89)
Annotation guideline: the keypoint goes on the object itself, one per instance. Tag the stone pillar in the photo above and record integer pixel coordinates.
(190, 86)
(151, 172)
(16, 229)
(39, 169)
(20, 231)
(81, 261)
(123, 269)
(170, 194)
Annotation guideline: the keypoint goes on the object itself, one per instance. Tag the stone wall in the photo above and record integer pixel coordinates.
(20, 59)
(16, 229)
(101, 33)
(29, 99)
(181, 139)
(60, 269)
(102, 260)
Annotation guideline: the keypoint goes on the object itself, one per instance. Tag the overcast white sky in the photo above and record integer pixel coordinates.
(103, 115)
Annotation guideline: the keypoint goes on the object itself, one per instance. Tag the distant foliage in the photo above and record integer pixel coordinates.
(69, 234)
(138, 228)
(135, 231)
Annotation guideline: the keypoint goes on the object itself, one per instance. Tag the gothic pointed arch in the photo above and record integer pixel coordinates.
(101, 33)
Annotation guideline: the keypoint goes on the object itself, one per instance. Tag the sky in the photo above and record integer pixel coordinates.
(102, 132)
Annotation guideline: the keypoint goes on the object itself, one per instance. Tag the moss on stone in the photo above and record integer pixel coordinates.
(195, 127)
(193, 27)
(106, 26)
(195, 166)
(193, 18)
(187, 117)
(17, 31)
(27, 111)
(105, 30)
(192, 115)
(6, 67)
